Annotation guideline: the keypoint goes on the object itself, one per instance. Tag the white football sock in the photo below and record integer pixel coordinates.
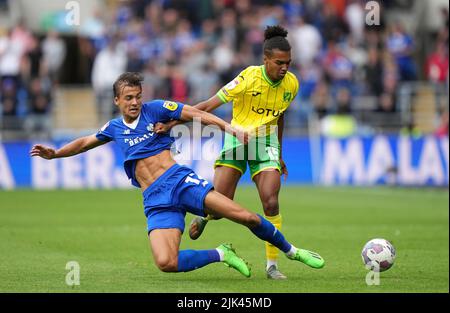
(291, 252)
(270, 263)
(221, 254)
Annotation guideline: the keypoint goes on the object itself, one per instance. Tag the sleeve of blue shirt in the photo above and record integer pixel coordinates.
(164, 110)
(105, 133)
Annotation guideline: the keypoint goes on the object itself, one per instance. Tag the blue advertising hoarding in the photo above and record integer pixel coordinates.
(352, 161)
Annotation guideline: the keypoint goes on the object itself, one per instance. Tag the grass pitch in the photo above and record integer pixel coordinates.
(105, 232)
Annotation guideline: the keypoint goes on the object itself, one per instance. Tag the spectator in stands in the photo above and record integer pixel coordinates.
(170, 21)
(332, 27)
(33, 63)
(228, 30)
(442, 35)
(108, 65)
(292, 10)
(134, 62)
(386, 103)
(337, 5)
(11, 52)
(355, 53)
(321, 100)
(355, 18)
(183, 38)
(8, 97)
(195, 58)
(203, 83)
(307, 42)
(223, 57)
(21, 34)
(340, 124)
(94, 27)
(373, 73)
(442, 129)
(178, 85)
(401, 45)
(92, 38)
(54, 53)
(209, 34)
(437, 74)
(311, 75)
(38, 120)
(338, 68)
(254, 36)
(390, 74)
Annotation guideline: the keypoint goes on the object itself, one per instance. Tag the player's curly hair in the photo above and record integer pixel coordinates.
(275, 38)
(127, 79)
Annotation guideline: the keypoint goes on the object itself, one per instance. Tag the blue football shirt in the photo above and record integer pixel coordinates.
(138, 140)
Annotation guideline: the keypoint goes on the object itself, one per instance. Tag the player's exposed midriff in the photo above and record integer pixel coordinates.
(149, 169)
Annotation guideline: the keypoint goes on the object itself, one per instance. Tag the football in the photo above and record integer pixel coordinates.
(378, 255)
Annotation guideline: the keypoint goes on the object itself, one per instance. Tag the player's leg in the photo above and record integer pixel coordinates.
(225, 181)
(265, 171)
(164, 244)
(165, 228)
(229, 167)
(217, 204)
(268, 185)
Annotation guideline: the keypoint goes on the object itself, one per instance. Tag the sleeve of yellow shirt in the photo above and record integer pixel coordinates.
(297, 87)
(233, 88)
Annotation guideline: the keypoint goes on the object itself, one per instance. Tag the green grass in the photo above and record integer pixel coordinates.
(105, 232)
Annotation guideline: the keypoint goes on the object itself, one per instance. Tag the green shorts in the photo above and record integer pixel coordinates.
(260, 153)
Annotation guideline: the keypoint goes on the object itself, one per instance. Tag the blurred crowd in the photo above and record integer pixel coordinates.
(29, 70)
(188, 49)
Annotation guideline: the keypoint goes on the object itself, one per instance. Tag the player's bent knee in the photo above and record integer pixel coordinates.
(166, 264)
(251, 220)
(271, 205)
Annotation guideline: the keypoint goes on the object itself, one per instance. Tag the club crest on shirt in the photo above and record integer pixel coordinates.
(287, 96)
(151, 126)
(170, 105)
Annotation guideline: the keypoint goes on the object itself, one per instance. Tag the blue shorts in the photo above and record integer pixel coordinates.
(177, 191)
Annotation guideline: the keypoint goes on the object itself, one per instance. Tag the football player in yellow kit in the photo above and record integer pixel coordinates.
(260, 97)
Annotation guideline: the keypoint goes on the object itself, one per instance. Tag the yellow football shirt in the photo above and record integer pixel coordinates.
(258, 101)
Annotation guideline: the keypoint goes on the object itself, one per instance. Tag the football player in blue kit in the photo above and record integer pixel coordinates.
(170, 190)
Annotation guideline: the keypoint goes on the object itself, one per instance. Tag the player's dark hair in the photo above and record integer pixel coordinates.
(275, 38)
(127, 79)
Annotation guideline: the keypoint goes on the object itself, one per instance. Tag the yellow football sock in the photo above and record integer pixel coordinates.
(271, 250)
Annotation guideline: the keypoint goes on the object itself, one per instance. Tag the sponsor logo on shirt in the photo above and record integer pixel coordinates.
(170, 105)
(133, 141)
(266, 112)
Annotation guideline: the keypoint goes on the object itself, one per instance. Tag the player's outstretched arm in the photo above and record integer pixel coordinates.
(207, 106)
(75, 147)
(189, 113)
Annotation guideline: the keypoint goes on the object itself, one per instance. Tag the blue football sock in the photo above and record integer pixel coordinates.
(267, 232)
(189, 260)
